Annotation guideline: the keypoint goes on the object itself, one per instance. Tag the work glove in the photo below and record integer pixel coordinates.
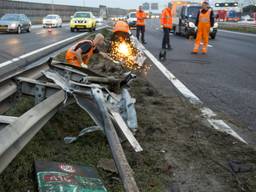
(162, 26)
(84, 66)
(211, 29)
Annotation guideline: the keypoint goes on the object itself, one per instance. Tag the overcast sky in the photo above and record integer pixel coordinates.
(127, 4)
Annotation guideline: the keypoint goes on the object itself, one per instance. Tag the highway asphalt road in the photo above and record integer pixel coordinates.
(14, 45)
(224, 79)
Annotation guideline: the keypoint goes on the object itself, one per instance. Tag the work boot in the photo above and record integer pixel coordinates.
(204, 51)
(195, 51)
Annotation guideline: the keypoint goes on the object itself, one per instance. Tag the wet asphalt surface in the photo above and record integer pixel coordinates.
(224, 79)
(14, 45)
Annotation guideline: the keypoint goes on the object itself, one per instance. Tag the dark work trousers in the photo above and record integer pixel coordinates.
(166, 38)
(140, 29)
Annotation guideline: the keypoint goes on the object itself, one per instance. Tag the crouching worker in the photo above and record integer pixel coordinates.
(121, 32)
(80, 54)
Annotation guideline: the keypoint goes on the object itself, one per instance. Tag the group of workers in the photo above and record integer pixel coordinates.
(80, 54)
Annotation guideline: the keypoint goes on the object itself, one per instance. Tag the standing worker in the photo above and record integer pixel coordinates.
(80, 54)
(166, 23)
(204, 22)
(140, 24)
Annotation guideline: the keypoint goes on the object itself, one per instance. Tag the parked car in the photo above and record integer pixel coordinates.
(131, 19)
(52, 21)
(82, 20)
(184, 21)
(99, 21)
(15, 23)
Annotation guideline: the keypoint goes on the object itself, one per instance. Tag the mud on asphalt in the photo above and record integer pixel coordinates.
(180, 152)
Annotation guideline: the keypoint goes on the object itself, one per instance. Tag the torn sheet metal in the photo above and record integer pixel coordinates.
(82, 133)
(86, 94)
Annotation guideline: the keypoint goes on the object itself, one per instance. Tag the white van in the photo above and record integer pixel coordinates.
(131, 19)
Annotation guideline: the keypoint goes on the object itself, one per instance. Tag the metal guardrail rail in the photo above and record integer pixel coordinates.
(237, 24)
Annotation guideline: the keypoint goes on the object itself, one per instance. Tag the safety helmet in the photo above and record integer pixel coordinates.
(121, 26)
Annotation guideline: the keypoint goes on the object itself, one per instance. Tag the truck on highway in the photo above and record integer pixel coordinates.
(82, 20)
(184, 21)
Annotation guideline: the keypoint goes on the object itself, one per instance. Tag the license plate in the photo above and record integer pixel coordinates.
(80, 27)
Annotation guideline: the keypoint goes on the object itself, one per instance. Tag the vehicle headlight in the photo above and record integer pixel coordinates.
(13, 25)
(191, 24)
(216, 25)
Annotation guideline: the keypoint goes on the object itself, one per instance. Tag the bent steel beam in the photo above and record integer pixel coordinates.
(19, 132)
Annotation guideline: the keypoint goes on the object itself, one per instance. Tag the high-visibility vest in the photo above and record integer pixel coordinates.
(166, 18)
(205, 18)
(71, 54)
(121, 26)
(140, 15)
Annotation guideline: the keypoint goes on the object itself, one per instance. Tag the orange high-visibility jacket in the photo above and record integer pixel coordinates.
(204, 20)
(166, 18)
(121, 26)
(71, 54)
(141, 16)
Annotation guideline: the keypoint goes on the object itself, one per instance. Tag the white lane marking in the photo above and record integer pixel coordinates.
(42, 49)
(208, 45)
(210, 116)
(238, 33)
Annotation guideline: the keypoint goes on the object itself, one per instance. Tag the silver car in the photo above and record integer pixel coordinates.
(15, 23)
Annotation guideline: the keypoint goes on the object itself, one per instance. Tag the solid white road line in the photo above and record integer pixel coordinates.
(238, 33)
(210, 116)
(42, 49)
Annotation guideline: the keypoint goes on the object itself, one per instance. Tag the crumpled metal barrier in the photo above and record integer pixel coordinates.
(108, 110)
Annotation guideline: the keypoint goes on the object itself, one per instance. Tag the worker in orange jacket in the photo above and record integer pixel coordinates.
(121, 31)
(80, 54)
(204, 22)
(140, 24)
(166, 24)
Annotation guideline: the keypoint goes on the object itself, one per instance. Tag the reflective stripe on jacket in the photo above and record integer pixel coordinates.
(166, 18)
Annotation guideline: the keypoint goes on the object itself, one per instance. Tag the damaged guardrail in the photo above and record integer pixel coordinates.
(105, 99)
